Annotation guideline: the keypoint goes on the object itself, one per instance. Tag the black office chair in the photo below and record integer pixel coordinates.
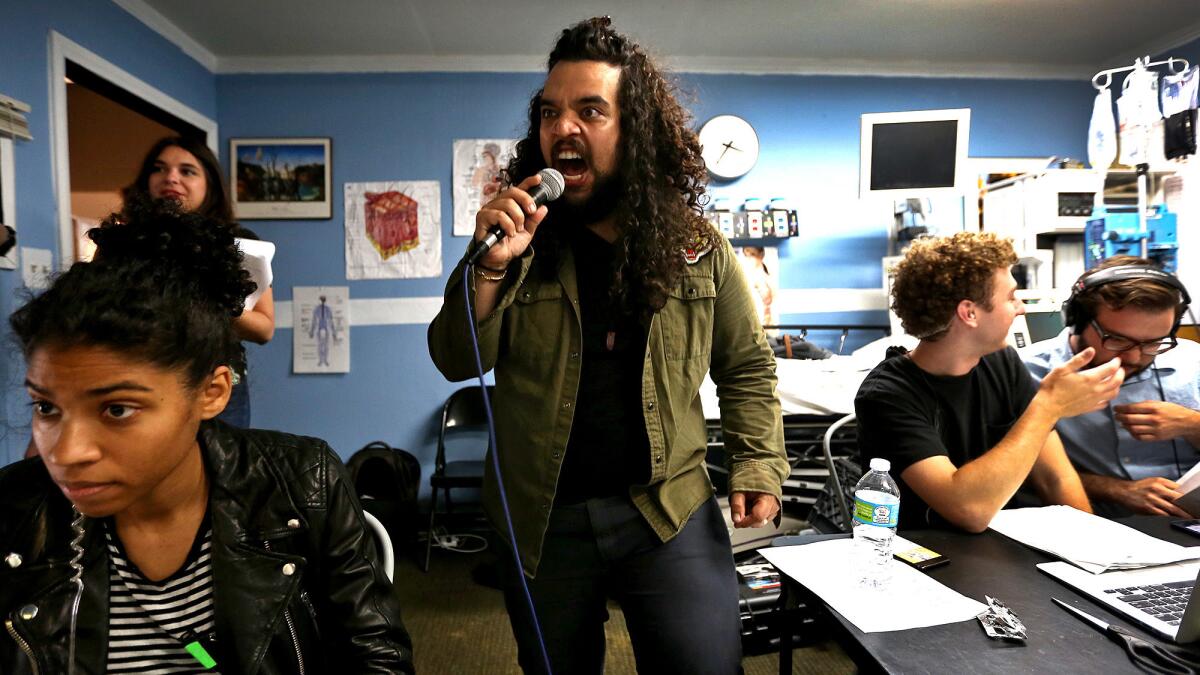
(833, 510)
(463, 411)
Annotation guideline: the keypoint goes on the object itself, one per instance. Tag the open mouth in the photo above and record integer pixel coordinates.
(571, 165)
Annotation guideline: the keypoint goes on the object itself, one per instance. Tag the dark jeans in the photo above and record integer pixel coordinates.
(237, 411)
(679, 598)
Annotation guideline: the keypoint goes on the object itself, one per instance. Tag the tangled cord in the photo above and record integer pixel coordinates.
(459, 543)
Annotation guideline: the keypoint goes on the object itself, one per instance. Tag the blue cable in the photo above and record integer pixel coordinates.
(491, 424)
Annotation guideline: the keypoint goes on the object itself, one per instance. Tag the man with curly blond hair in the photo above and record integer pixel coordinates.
(960, 418)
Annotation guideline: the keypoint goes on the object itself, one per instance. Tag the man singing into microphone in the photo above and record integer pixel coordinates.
(601, 314)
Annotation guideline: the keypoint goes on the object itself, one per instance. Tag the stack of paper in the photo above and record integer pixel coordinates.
(1092, 543)
(256, 259)
(1190, 499)
(911, 599)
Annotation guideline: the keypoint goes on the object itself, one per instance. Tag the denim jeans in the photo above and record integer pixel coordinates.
(679, 598)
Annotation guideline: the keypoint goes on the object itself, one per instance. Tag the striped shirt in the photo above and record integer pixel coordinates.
(149, 622)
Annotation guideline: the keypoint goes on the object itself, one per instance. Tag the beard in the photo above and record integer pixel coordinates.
(600, 204)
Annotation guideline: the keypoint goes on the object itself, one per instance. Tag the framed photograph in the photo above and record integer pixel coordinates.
(280, 178)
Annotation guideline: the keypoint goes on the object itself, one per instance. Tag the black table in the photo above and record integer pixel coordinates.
(995, 565)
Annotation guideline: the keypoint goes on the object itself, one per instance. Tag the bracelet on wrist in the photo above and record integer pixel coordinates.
(481, 274)
(493, 270)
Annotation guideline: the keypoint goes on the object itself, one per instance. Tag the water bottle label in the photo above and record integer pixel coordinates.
(885, 515)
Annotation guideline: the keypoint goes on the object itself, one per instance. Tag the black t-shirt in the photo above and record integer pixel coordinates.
(906, 415)
(608, 449)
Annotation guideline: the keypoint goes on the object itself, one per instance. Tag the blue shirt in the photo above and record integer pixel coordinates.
(1097, 444)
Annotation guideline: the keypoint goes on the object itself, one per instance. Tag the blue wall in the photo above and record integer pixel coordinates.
(402, 126)
(114, 35)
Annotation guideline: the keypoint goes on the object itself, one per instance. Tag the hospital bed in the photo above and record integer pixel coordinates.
(813, 394)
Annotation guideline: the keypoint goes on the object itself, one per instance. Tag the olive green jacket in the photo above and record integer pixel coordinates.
(532, 339)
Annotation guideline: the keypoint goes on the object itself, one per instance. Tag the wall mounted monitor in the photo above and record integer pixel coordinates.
(921, 153)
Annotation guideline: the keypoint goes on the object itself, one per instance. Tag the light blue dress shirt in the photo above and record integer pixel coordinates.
(1097, 444)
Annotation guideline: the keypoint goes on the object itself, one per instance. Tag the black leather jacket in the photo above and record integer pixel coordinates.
(297, 581)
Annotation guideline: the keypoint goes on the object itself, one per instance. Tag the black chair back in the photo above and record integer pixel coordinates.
(463, 410)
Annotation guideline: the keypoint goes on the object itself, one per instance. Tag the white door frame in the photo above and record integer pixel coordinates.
(8, 189)
(63, 49)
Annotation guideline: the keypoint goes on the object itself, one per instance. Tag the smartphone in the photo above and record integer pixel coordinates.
(1191, 526)
(923, 558)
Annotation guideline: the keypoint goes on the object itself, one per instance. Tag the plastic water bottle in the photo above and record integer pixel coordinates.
(876, 510)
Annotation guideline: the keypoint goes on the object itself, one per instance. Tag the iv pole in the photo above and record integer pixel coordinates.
(1143, 169)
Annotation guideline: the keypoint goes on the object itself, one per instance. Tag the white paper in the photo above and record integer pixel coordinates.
(393, 230)
(256, 259)
(1092, 543)
(477, 166)
(1189, 499)
(911, 600)
(320, 329)
(37, 264)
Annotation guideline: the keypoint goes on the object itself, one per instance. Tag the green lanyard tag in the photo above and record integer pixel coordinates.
(200, 654)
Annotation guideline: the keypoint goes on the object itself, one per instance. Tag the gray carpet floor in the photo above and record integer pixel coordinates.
(460, 627)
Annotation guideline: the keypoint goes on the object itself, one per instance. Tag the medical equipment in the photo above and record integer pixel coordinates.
(1116, 232)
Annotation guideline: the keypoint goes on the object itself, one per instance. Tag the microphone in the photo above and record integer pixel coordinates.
(548, 190)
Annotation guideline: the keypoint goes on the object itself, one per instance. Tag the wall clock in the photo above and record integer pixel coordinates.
(729, 146)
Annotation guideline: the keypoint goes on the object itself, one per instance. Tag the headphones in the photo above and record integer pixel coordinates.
(1077, 317)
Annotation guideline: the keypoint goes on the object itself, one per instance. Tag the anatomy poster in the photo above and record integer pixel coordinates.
(393, 230)
(320, 329)
(477, 166)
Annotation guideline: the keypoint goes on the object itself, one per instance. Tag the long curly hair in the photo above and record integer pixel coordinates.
(661, 173)
(938, 273)
(163, 287)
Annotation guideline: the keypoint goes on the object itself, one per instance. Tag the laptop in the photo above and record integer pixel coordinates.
(1163, 599)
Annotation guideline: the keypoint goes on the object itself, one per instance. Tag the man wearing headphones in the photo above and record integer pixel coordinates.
(1130, 453)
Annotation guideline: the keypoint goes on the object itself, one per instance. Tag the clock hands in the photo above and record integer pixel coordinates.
(727, 145)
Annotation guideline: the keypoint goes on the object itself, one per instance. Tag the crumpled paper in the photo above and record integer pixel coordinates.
(1001, 622)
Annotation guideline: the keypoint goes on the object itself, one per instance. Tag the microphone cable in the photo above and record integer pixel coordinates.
(491, 425)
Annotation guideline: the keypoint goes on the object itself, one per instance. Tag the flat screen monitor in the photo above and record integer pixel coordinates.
(1044, 325)
(921, 153)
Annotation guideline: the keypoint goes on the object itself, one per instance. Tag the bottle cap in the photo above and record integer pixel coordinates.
(880, 464)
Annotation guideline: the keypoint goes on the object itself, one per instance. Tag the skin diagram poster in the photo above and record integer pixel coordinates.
(320, 329)
(477, 166)
(393, 230)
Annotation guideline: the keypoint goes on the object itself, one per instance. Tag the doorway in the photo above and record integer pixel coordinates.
(109, 130)
(104, 121)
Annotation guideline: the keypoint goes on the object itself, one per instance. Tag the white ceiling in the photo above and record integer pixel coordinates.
(987, 38)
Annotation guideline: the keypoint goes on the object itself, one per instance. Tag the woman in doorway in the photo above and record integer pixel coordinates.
(184, 170)
(146, 536)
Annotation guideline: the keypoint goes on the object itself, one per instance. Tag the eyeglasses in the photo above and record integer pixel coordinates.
(1119, 343)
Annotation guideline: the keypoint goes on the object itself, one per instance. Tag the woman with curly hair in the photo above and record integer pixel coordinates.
(183, 170)
(601, 314)
(148, 537)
